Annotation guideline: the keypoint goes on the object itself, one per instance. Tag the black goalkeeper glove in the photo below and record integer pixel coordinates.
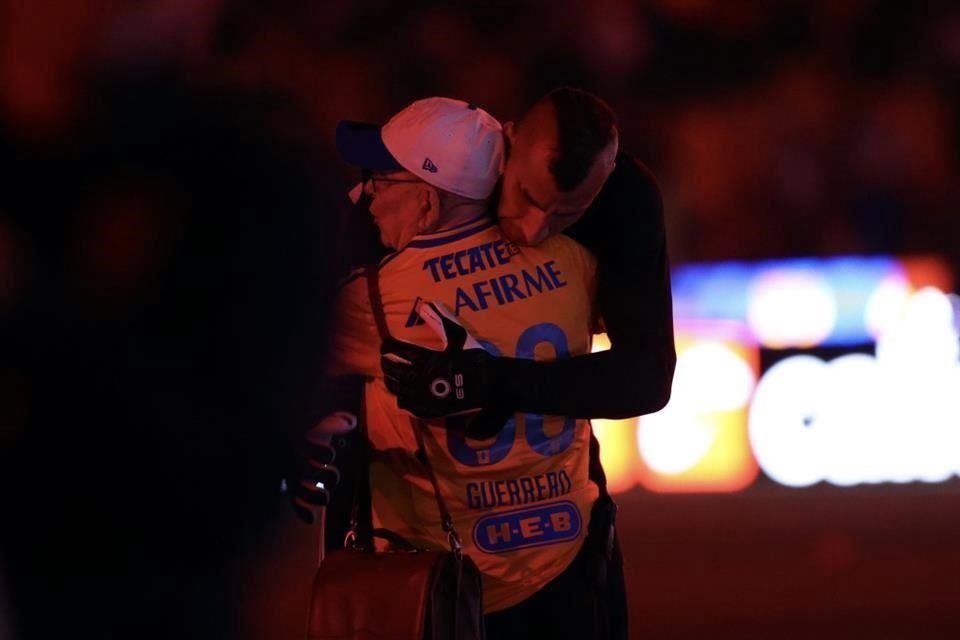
(432, 384)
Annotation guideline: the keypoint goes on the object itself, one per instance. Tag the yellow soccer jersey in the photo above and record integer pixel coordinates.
(521, 501)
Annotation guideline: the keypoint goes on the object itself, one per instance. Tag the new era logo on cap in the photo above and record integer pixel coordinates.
(449, 145)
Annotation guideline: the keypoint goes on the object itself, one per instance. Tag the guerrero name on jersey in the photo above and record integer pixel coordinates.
(520, 500)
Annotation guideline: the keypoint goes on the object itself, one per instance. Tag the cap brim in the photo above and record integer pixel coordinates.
(360, 144)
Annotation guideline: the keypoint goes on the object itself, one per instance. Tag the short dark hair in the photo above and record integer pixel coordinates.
(585, 125)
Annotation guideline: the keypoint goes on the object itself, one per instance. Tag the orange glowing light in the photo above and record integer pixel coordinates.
(618, 442)
(698, 442)
(618, 452)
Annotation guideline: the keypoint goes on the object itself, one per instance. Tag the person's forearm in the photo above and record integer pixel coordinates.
(633, 378)
(609, 384)
(625, 230)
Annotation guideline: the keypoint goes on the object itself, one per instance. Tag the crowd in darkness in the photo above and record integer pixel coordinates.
(786, 129)
(169, 228)
(789, 128)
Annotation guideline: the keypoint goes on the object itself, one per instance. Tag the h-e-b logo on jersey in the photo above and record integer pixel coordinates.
(533, 527)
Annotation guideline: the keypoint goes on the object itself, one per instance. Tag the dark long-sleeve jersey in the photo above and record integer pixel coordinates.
(624, 229)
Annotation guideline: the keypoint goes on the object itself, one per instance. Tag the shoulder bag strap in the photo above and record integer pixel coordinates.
(376, 303)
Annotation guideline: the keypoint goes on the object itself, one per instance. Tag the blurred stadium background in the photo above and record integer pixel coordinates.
(803, 481)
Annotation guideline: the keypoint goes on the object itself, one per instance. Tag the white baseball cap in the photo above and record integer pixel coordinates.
(450, 144)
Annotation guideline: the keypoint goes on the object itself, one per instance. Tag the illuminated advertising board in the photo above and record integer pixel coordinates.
(884, 408)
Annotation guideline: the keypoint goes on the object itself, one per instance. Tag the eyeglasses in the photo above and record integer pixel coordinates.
(367, 177)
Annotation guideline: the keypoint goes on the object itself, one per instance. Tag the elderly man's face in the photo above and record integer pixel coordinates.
(531, 207)
(398, 201)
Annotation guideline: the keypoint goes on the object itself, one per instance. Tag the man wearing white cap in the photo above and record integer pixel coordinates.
(442, 148)
(521, 501)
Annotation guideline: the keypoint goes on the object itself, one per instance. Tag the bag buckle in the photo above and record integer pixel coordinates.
(453, 538)
(456, 546)
(350, 540)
